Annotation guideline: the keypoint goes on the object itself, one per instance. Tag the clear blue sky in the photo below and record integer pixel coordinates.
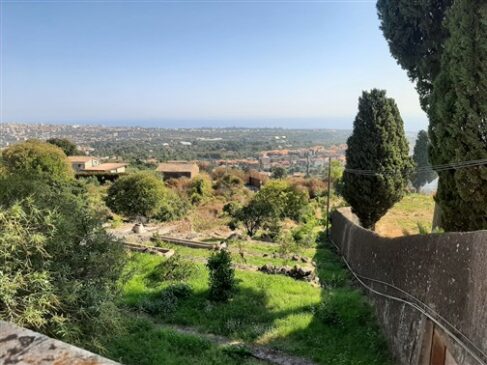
(290, 64)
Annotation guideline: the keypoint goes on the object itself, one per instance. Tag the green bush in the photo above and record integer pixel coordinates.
(36, 160)
(172, 269)
(166, 302)
(221, 277)
(172, 208)
(345, 309)
(138, 194)
(60, 270)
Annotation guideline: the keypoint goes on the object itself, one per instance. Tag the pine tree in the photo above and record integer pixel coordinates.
(458, 118)
(378, 143)
(425, 174)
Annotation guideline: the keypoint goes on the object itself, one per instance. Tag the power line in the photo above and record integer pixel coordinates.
(437, 168)
(424, 311)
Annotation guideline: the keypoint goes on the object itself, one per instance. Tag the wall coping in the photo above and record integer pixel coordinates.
(22, 346)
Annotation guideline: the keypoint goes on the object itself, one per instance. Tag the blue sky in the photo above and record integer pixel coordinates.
(196, 63)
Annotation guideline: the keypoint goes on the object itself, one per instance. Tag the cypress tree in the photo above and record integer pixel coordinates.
(458, 118)
(420, 156)
(377, 143)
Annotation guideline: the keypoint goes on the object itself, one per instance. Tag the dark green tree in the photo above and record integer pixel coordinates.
(377, 144)
(66, 145)
(415, 33)
(279, 172)
(221, 276)
(458, 118)
(425, 174)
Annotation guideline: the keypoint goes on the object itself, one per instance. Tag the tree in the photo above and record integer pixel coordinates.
(138, 194)
(420, 157)
(458, 118)
(222, 276)
(415, 33)
(66, 145)
(34, 160)
(279, 173)
(377, 145)
(60, 269)
(276, 200)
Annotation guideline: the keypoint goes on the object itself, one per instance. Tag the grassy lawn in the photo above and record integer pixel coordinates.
(330, 326)
(144, 344)
(404, 217)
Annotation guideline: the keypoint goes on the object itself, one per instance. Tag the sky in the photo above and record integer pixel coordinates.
(293, 64)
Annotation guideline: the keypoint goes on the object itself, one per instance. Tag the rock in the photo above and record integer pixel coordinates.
(265, 255)
(138, 228)
(295, 258)
(304, 259)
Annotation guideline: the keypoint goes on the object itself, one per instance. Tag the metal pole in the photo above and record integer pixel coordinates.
(328, 200)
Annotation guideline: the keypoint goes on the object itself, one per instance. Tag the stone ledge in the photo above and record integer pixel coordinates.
(22, 346)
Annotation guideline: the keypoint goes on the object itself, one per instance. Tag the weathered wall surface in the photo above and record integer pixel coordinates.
(447, 272)
(21, 346)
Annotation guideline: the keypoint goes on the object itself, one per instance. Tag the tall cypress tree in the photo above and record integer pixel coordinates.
(425, 174)
(378, 144)
(458, 117)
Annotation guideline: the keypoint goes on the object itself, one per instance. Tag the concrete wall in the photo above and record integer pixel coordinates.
(448, 272)
(21, 346)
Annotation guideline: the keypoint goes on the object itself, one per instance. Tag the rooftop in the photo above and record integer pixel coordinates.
(177, 167)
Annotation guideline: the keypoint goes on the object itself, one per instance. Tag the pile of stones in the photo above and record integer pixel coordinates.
(295, 272)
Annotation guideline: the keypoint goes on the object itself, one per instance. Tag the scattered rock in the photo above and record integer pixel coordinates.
(138, 228)
(296, 272)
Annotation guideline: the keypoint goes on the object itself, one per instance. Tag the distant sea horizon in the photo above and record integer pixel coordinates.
(340, 123)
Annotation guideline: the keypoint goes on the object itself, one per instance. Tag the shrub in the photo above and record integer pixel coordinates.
(166, 302)
(200, 188)
(37, 160)
(172, 208)
(60, 269)
(172, 269)
(221, 276)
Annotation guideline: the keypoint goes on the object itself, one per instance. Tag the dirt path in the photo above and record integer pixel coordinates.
(260, 352)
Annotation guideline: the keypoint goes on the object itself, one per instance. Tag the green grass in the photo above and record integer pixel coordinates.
(142, 343)
(329, 326)
(253, 253)
(404, 217)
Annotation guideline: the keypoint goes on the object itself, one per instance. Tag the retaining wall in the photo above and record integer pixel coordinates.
(447, 272)
(20, 346)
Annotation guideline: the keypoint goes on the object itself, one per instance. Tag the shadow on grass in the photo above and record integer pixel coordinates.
(330, 325)
(343, 329)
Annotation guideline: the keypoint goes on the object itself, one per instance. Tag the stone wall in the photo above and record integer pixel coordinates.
(21, 346)
(447, 272)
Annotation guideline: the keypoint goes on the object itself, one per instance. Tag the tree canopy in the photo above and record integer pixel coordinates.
(37, 160)
(421, 159)
(377, 144)
(458, 118)
(68, 147)
(415, 33)
(138, 194)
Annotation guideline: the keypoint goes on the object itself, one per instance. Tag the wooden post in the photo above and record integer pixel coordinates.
(328, 200)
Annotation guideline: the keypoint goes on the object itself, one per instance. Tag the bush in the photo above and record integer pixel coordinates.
(222, 276)
(37, 160)
(166, 302)
(172, 269)
(172, 208)
(200, 188)
(60, 269)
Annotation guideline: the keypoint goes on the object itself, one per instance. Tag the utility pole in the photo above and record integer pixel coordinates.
(328, 200)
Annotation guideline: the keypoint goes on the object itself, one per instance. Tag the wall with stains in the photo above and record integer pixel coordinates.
(447, 272)
(21, 346)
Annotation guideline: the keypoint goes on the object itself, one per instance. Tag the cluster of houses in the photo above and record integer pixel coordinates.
(301, 158)
(89, 165)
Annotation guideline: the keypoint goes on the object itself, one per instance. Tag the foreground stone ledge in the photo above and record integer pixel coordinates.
(22, 346)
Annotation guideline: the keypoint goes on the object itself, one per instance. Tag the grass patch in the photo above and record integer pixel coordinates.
(406, 217)
(142, 343)
(333, 325)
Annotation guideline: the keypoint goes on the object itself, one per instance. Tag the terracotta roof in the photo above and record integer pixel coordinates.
(80, 158)
(106, 166)
(177, 167)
